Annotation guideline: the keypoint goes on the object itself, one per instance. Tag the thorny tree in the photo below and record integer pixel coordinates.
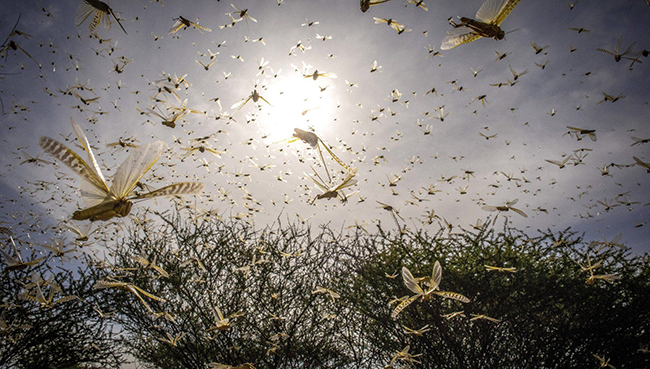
(231, 295)
(536, 302)
(47, 315)
(287, 296)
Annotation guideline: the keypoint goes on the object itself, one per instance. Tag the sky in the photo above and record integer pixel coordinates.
(384, 123)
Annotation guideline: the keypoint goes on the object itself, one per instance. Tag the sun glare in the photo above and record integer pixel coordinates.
(298, 102)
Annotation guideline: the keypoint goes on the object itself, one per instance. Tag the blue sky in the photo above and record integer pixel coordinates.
(529, 118)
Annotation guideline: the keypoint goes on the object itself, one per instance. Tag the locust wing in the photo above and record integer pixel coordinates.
(93, 187)
(519, 212)
(592, 136)
(134, 167)
(128, 287)
(105, 18)
(403, 305)
(176, 27)
(199, 27)
(410, 282)
(182, 188)
(495, 11)
(83, 12)
(640, 162)
(458, 36)
(86, 145)
(240, 104)
(436, 276)
(452, 295)
(95, 21)
(92, 193)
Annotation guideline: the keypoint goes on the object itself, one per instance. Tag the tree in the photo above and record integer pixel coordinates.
(548, 312)
(47, 318)
(232, 295)
(287, 296)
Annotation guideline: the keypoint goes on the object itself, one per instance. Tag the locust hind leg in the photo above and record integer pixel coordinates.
(456, 25)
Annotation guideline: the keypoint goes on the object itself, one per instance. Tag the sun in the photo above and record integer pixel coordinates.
(298, 102)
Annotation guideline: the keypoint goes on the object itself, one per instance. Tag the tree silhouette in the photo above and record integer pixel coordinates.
(288, 296)
(547, 315)
(57, 328)
(262, 282)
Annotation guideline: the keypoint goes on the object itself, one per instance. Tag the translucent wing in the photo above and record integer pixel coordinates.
(519, 212)
(65, 299)
(639, 161)
(489, 208)
(93, 188)
(240, 104)
(82, 231)
(176, 27)
(206, 29)
(93, 195)
(83, 12)
(182, 188)
(504, 11)
(488, 12)
(616, 239)
(106, 20)
(219, 313)
(95, 21)
(410, 282)
(403, 306)
(86, 145)
(10, 260)
(436, 276)
(510, 203)
(458, 36)
(495, 11)
(452, 295)
(347, 182)
(134, 167)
